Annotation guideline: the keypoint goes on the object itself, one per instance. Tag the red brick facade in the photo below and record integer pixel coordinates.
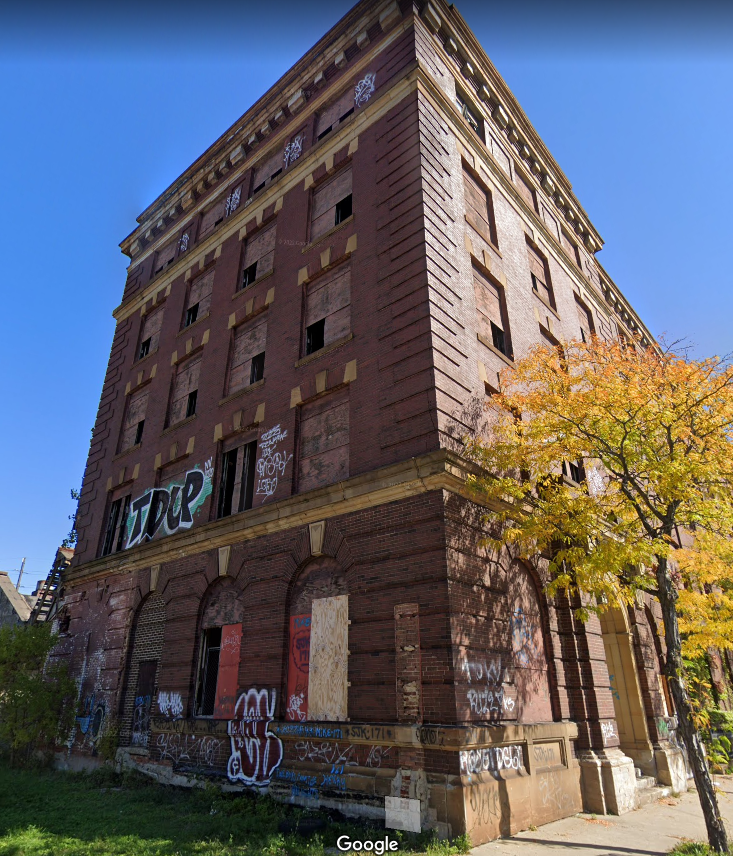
(278, 579)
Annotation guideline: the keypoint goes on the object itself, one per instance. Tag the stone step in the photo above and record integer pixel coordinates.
(644, 782)
(648, 795)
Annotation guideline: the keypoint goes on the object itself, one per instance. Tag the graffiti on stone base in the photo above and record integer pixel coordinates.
(493, 759)
(255, 752)
(341, 756)
(608, 732)
(181, 748)
(169, 509)
(552, 794)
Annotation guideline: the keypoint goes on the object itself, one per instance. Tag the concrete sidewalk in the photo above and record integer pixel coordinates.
(650, 831)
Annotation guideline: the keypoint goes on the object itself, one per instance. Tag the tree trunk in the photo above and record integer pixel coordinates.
(717, 836)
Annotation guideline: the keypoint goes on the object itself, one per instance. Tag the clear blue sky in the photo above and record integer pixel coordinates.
(104, 104)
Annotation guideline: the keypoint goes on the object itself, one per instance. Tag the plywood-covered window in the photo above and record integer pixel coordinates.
(585, 320)
(570, 247)
(479, 207)
(185, 391)
(331, 204)
(328, 309)
(540, 276)
(199, 299)
(526, 191)
(491, 313)
(150, 333)
(317, 684)
(248, 354)
(338, 111)
(132, 428)
(324, 441)
(165, 256)
(267, 169)
(212, 217)
(259, 255)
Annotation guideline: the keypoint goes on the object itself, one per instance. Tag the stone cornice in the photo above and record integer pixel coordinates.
(320, 153)
(507, 116)
(439, 470)
(274, 110)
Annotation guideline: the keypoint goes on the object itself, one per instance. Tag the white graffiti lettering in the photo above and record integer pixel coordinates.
(608, 732)
(364, 89)
(255, 752)
(232, 202)
(491, 760)
(552, 793)
(170, 704)
(271, 464)
(187, 747)
(293, 150)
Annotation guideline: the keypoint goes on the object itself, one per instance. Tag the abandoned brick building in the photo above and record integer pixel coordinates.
(278, 579)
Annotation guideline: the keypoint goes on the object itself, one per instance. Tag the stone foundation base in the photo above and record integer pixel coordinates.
(671, 768)
(608, 782)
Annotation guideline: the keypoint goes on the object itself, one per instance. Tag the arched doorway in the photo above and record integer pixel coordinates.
(625, 689)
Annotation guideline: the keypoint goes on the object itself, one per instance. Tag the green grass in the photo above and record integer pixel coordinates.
(105, 814)
(693, 848)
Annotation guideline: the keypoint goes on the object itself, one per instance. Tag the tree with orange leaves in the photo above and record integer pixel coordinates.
(616, 462)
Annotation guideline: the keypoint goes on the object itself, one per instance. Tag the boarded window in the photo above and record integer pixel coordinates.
(570, 247)
(326, 201)
(526, 191)
(249, 341)
(585, 319)
(539, 275)
(212, 217)
(185, 384)
(329, 659)
(150, 333)
(324, 441)
(502, 158)
(328, 299)
(134, 416)
(228, 677)
(199, 295)
(550, 220)
(490, 312)
(267, 169)
(165, 256)
(337, 112)
(479, 208)
(259, 255)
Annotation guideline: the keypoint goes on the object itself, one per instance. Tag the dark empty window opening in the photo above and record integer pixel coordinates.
(230, 484)
(139, 432)
(259, 187)
(497, 335)
(343, 209)
(192, 313)
(574, 470)
(582, 335)
(276, 173)
(323, 133)
(116, 526)
(534, 283)
(144, 348)
(257, 370)
(314, 336)
(191, 403)
(209, 672)
(249, 275)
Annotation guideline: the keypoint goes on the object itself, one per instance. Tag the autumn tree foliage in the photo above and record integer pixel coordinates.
(616, 462)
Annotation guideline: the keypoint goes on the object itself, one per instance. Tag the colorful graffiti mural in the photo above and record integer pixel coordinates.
(255, 752)
(298, 666)
(170, 508)
(91, 718)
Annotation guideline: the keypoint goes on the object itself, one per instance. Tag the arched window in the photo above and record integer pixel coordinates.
(221, 641)
(142, 673)
(318, 644)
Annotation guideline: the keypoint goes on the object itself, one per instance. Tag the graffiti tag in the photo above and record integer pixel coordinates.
(255, 751)
(170, 508)
(170, 704)
(491, 760)
(271, 464)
